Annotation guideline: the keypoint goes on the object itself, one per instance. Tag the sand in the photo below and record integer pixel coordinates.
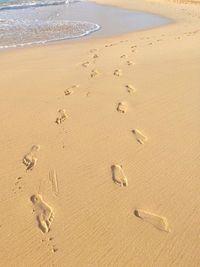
(99, 157)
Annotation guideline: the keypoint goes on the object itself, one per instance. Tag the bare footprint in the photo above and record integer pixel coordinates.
(109, 45)
(130, 63)
(86, 64)
(44, 213)
(139, 136)
(118, 175)
(93, 50)
(95, 56)
(161, 223)
(124, 56)
(62, 116)
(130, 88)
(122, 107)
(94, 73)
(69, 90)
(117, 73)
(30, 159)
(88, 93)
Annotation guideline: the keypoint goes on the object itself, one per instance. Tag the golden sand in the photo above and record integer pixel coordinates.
(78, 120)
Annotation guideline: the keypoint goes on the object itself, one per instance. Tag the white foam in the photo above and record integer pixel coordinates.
(96, 27)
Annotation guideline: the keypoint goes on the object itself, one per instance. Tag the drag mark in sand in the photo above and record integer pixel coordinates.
(122, 107)
(30, 159)
(54, 182)
(139, 136)
(159, 222)
(44, 213)
(62, 116)
(118, 175)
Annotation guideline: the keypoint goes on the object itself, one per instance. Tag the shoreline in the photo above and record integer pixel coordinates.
(100, 147)
(88, 37)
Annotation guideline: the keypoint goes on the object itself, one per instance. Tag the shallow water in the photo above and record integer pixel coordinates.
(28, 22)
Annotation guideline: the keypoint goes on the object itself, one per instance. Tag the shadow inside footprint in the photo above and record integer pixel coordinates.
(94, 73)
(139, 136)
(30, 159)
(117, 73)
(130, 88)
(62, 116)
(122, 107)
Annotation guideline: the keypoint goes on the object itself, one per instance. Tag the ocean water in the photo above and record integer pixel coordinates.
(26, 22)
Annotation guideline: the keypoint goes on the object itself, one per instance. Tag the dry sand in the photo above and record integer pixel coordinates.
(99, 157)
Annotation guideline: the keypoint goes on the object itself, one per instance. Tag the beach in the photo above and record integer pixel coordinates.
(100, 147)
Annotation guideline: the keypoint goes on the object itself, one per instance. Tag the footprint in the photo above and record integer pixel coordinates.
(95, 56)
(124, 56)
(44, 213)
(109, 45)
(30, 159)
(139, 136)
(86, 64)
(133, 48)
(118, 175)
(68, 92)
(130, 88)
(130, 63)
(117, 73)
(62, 116)
(93, 50)
(94, 73)
(122, 107)
(161, 223)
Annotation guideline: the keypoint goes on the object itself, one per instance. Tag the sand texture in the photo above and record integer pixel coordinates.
(100, 148)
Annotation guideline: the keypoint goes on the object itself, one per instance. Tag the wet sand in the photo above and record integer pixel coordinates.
(100, 148)
(27, 25)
